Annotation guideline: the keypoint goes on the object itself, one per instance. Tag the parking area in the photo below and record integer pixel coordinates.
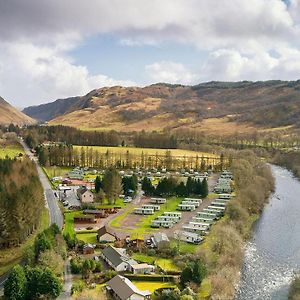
(69, 196)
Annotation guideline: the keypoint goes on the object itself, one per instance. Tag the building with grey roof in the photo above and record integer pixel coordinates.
(121, 288)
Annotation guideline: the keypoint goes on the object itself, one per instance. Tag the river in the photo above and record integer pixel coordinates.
(273, 254)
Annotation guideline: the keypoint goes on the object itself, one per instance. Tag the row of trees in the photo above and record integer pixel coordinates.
(40, 276)
(171, 187)
(69, 156)
(21, 201)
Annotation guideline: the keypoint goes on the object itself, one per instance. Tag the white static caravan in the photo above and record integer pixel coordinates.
(225, 196)
(190, 203)
(151, 206)
(167, 218)
(193, 200)
(143, 211)
(198, 230)
(199, 225)
(207, 215)
(218, 204)
(186, 207)
(222, 201)
(189, 237)
(213, 211)
(160, 223)
(203, 220)
(173, 214)
(158, 200)
(219, 208)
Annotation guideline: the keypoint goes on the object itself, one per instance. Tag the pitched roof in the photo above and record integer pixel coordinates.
(103, 230)
(160, 237)
(124, 288)
(113, 255)
(82, 190)
(117, 255)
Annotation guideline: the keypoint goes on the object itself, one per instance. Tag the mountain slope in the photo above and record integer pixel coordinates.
(9, 114)
(215, 106)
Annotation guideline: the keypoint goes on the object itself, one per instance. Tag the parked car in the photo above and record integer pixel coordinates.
(127, 199)
(66, 203)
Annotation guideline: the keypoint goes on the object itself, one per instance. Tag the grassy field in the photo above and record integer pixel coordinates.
(11, 257)
(164, 263)
(148, 151)
(11, 151)
(56, 171)
(152, 286)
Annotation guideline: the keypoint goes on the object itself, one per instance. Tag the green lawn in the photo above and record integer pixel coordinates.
(11, 257)
(184, 247)
(69, 222)
(11, 151)
(152, 286)
(87, 237)
(119, 203)
(55, 171)
(164, 263)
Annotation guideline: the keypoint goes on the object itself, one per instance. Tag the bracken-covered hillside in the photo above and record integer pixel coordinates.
(215, 106)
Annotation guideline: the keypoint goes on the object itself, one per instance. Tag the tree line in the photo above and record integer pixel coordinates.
(169, 186)
(68, 156)
(21, 201)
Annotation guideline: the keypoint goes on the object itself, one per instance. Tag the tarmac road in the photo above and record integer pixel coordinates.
(56, 216)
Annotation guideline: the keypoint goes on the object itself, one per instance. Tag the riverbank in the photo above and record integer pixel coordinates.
(290, 161)
(272, 255)
(223, 250)
(294, 292)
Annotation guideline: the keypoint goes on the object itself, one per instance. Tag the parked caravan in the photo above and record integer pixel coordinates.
(189, 237)
(151, 206)
(143, 211)
(158, 200)
(198, 230)
(186, 207)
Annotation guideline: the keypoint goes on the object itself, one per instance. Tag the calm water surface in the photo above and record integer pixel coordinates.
(273, 254)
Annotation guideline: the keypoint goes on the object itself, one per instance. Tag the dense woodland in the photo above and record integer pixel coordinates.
(21, 201)
(35, 135)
